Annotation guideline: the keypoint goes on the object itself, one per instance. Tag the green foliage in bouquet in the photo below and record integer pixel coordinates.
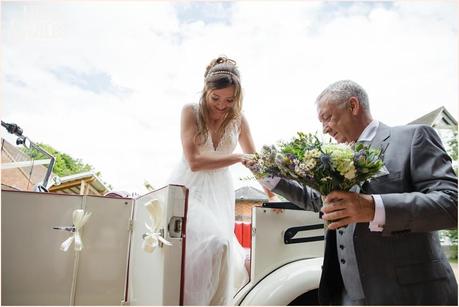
(324, 167)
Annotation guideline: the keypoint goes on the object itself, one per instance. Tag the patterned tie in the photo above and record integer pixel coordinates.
(365, 185)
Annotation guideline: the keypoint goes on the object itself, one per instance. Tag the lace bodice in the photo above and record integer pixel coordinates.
(228, 141)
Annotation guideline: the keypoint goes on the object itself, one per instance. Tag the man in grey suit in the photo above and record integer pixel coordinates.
(382, 246)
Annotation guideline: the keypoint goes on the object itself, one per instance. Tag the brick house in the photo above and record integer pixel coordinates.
(20, 172)
(23, 178)
(246, 198)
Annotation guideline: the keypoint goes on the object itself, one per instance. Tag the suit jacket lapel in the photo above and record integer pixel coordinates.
(381, 139)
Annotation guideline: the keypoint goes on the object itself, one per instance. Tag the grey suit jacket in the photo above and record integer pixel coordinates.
(404, 264)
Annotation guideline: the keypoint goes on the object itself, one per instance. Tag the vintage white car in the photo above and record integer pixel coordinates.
(119, 264)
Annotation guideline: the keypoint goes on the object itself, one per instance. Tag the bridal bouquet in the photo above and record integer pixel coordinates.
(324, 167)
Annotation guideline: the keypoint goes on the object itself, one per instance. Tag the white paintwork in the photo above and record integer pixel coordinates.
(102, 262)
(277, 267)
(36, 272)
(285, 284)
(155, 278)
(268, 239)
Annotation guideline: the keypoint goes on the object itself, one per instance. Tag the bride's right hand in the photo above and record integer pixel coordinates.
(243, 157)
(247, 161)
(247, 157)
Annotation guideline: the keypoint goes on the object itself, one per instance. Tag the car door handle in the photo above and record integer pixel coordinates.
(292, 231)
(65, 228)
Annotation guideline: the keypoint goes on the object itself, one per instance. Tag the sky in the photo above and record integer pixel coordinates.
(105, 81)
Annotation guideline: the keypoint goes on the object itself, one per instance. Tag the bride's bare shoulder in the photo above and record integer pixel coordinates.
(189, 108)
(189, 115)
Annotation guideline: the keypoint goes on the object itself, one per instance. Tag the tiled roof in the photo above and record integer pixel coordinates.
(438, 118)
(250, 193)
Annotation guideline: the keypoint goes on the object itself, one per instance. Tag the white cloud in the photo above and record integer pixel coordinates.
(404, 53)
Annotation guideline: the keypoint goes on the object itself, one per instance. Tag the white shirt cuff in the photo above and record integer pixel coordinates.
(269, 182)
(377, 224)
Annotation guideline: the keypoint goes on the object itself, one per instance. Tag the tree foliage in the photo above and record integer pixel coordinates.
(452, 146)
(65, 165)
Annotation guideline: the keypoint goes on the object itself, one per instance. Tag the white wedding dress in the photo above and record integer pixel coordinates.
(214, 261)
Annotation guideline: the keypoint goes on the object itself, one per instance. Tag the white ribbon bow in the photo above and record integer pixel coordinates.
(152, 238)
(79, 219)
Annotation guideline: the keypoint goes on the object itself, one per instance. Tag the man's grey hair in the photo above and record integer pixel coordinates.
(341, 91)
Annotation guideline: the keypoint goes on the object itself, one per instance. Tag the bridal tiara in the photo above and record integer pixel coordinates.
(222, 72)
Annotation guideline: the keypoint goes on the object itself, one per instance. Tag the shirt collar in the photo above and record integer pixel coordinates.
(369, 133)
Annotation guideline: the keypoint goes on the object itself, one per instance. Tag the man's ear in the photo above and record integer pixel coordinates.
(354, 105)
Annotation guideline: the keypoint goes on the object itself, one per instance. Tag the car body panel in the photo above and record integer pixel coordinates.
(155, 278)
(286, 269)
(36, 272)
(281, 287)
(114, 269)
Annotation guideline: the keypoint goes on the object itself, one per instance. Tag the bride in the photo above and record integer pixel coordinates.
(210, 131)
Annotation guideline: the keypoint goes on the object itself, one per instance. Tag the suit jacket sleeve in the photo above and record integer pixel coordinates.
(303, 197)
(431, 202)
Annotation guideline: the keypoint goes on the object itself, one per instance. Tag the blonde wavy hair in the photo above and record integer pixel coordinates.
(220, 73)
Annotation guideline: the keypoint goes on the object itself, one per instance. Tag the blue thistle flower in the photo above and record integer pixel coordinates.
(325, 162)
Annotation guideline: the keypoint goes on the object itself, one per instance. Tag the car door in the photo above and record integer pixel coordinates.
(112, 268)
(35, 271)
(155, 277)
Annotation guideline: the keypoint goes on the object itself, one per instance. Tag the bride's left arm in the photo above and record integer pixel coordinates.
(248, 146)
(245, 137)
